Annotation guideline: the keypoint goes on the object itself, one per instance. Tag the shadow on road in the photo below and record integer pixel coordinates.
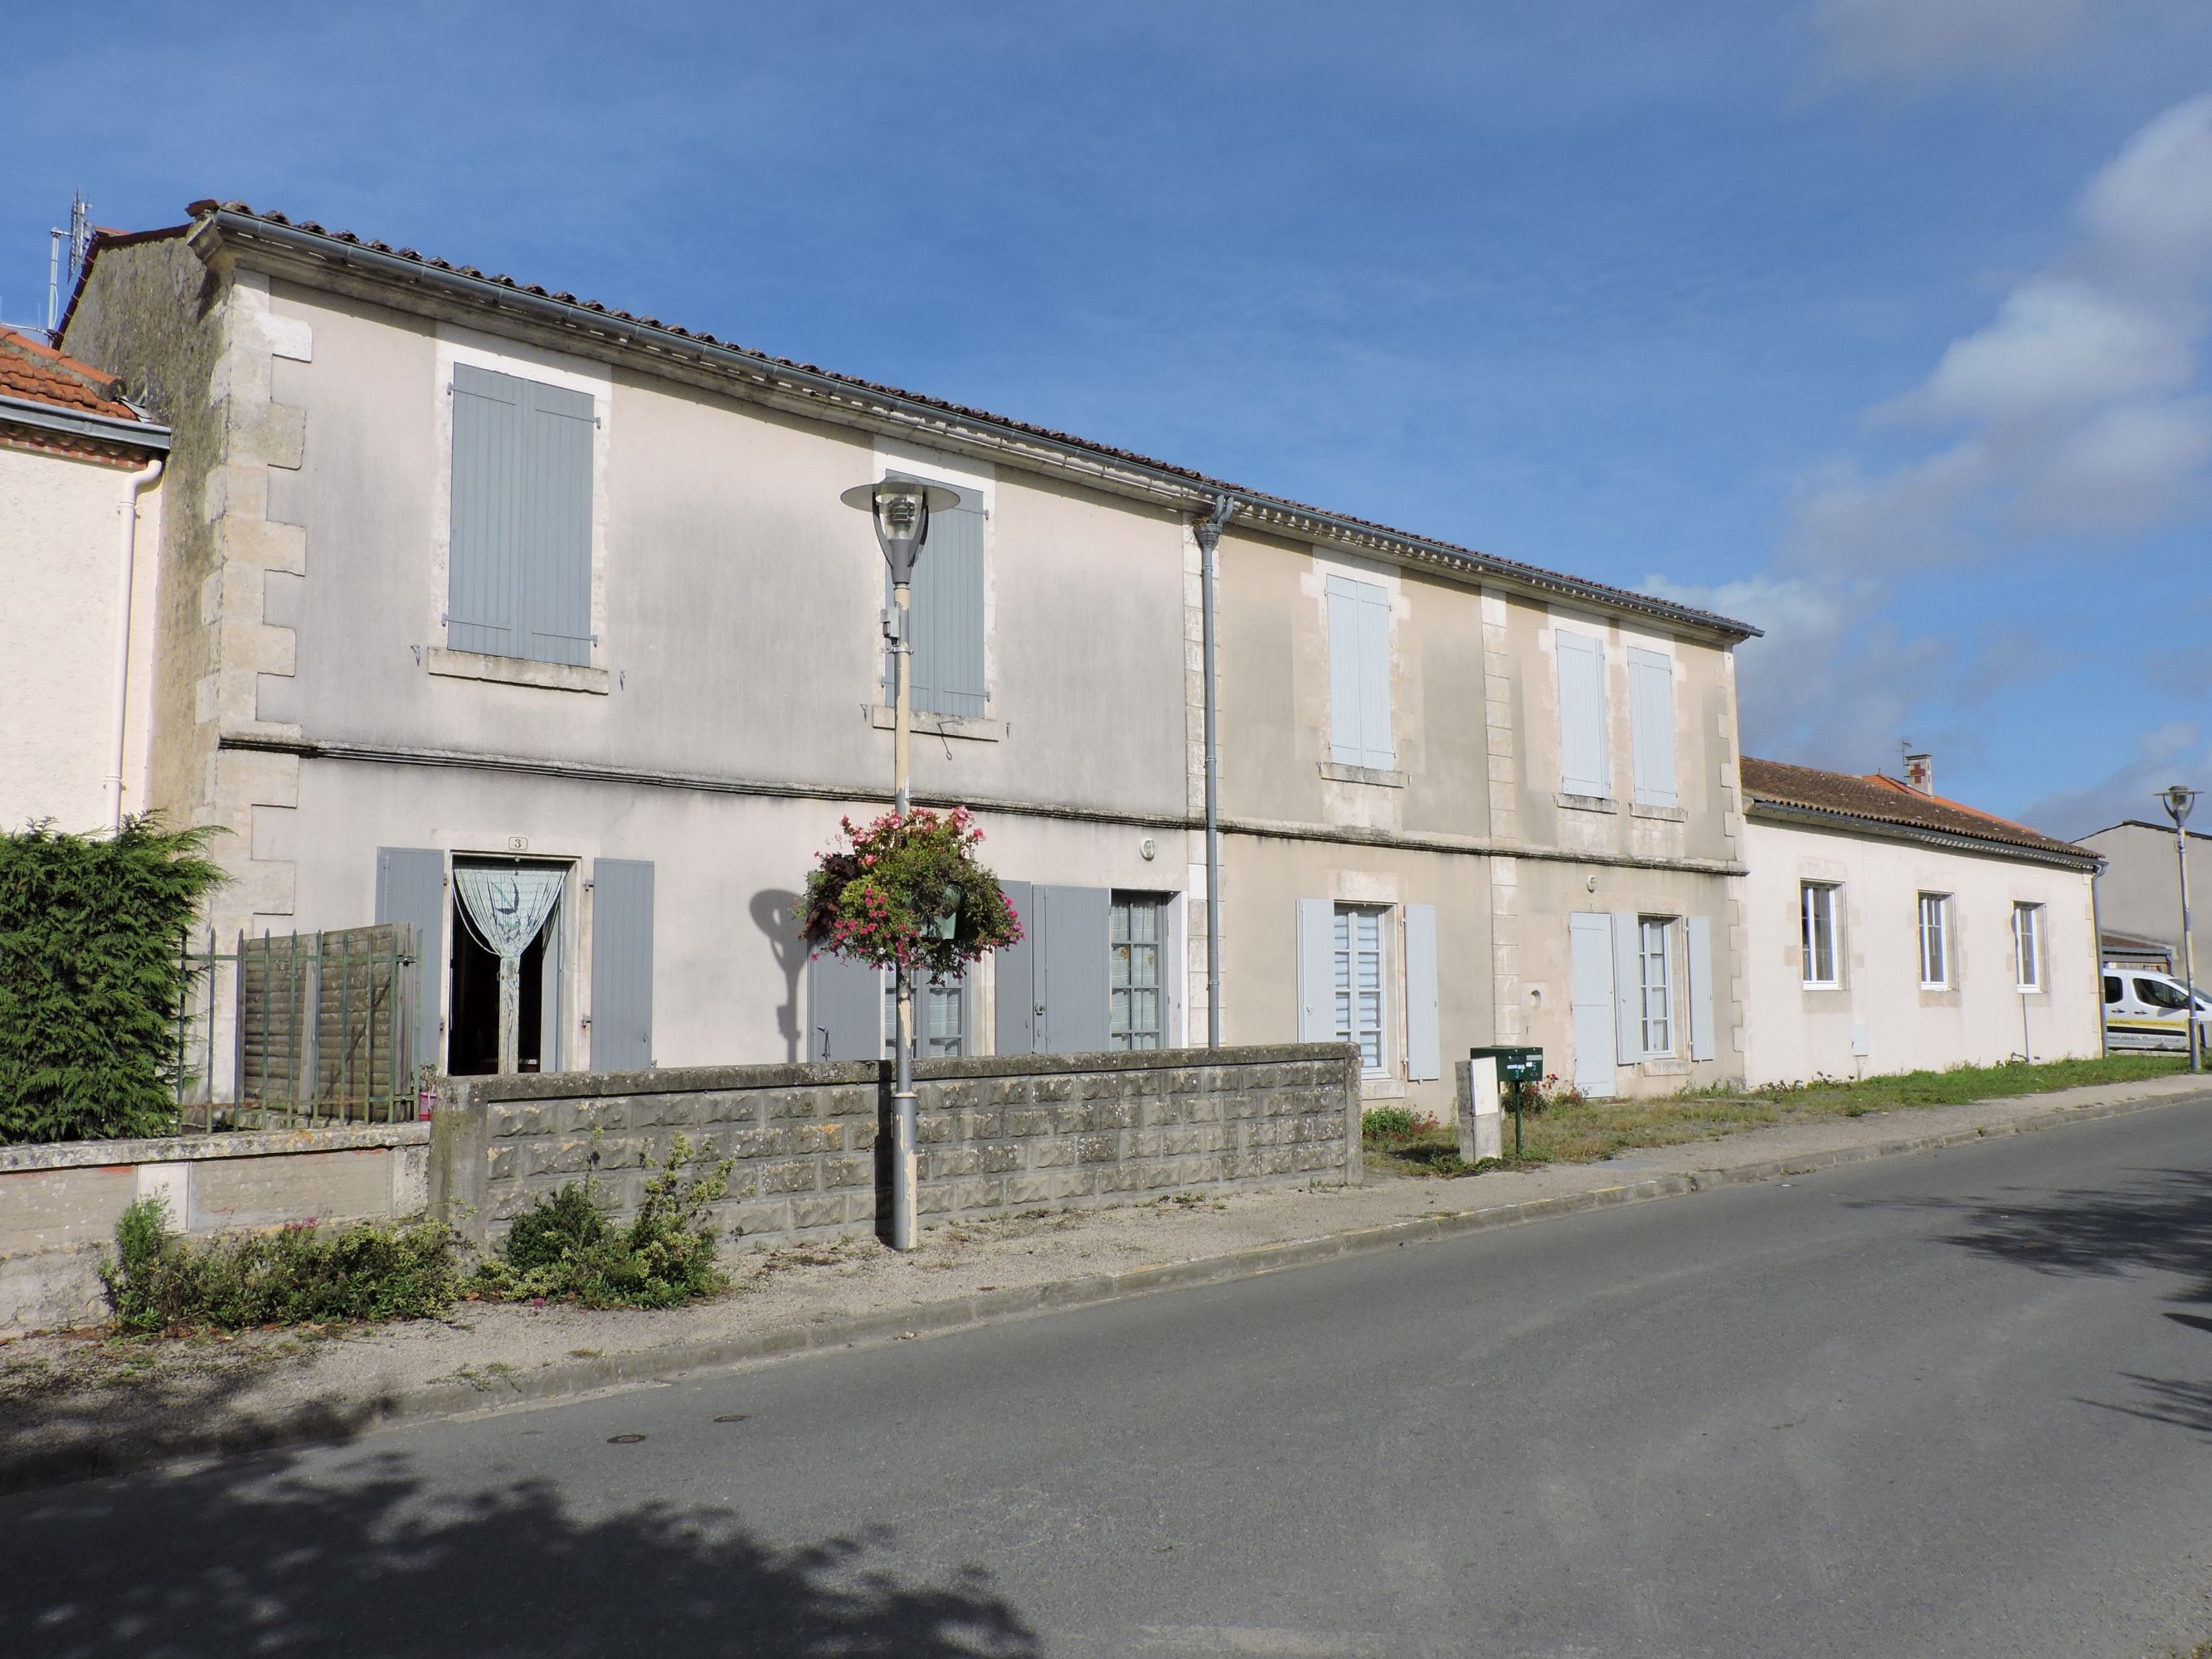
(260, 1558)
(2161, 1223)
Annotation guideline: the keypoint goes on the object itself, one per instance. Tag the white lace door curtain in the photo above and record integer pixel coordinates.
(506, 909)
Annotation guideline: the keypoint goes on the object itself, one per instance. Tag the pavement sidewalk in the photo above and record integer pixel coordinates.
(73, 1406)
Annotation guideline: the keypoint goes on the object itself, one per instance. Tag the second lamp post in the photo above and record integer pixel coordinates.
(901, 508)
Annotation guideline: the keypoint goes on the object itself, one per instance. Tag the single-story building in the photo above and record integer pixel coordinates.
(1891, 930)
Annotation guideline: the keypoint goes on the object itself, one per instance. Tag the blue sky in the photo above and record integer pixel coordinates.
(1876, 322)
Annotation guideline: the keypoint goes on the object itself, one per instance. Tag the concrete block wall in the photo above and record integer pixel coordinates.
(1003, 1134)
(59, 1203)
(996, 1135)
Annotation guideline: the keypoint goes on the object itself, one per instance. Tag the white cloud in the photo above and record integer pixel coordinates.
(1922, 39)
(2075, 412)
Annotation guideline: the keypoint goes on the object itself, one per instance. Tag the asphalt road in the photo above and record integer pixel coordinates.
(1950, 1404)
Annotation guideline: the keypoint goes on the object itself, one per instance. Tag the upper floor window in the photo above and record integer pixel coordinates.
(2027, 945)
(518, 579)
(1935, 941)
(1655, 953)
(1651, 725)
(1359, 674)
(1819, 899)
(950, 669)
(1585, 760)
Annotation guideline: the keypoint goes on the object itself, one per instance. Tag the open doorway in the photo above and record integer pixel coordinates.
(472, 1031)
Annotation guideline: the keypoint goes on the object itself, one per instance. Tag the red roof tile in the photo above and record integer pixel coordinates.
(1880, 800)
(35, 372)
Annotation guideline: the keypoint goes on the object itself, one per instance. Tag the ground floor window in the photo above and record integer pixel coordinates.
(2027, 945)
(940, 1016)
(1819, 921)
(501, 910)
(1359, 983)
(1935, 941)
(1137, 1003)
(1655, 952)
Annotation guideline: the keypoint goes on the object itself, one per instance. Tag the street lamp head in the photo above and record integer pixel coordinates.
(2177, 801)
(901, 508)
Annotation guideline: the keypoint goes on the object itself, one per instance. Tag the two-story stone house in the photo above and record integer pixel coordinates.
(460, 573)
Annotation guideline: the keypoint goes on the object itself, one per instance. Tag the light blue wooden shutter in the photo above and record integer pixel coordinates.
(1584, 765)
(1359, 674)
(947, 615)
(1651, 725)
(1423, 1056)
(410, 887)
(1073, 968)
(1628, 986)
(519, 564)
(1702, 1046)
(844, 1008)
(622, 965)
(1589, 939)
(1013, 1016)
(1316, 949)
(551, 969)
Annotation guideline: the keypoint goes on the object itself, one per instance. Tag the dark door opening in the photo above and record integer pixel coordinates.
(472, 1034)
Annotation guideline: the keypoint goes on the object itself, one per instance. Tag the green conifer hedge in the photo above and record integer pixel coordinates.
(90, 978)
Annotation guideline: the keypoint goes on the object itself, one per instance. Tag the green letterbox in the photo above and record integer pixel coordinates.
(1513, 1064)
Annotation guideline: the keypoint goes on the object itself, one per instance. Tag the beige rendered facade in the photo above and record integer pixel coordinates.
(80, 538)
(1880, 945)
(703, 695)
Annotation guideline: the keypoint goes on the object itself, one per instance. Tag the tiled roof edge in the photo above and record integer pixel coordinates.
(243, 221)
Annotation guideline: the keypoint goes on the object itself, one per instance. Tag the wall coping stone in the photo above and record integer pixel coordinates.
(696, 1079)
(186, 1149)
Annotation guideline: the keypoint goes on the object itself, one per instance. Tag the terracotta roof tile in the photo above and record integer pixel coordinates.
(1881, 799)
(34, 371)
(1578, 586)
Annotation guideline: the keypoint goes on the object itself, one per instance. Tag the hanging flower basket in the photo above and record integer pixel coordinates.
(907, 893)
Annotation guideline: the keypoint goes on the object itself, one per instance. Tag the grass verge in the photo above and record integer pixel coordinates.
(1589, 1131)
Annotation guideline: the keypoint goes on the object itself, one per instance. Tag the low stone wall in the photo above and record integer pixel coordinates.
(1067, 1131)
(59, 1203)
(996, 1135)
(803, 1135)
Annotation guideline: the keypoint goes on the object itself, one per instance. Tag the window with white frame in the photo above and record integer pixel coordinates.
(940, 1016)
(1137, 1000)
(2027, 946)
(1819, 906)
(1359, 980)
(1935, 941)
(1654, 954)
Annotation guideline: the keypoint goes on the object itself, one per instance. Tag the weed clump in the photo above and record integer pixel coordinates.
(302, 1273)
(562, 1247)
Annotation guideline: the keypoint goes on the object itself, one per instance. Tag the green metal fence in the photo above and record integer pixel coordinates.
(299, 1031)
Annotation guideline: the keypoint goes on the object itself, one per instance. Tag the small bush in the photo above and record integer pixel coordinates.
(1387, 1123)
(561, 1247)
(90, 978)
(303, 1272)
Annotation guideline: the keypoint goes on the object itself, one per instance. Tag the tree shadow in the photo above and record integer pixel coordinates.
(775, 913)
(2161, 1223)
(266, 1557)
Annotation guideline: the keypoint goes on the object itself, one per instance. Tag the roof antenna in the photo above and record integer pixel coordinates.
(79, 237)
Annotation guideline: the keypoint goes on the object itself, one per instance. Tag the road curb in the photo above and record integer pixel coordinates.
(325, 1422)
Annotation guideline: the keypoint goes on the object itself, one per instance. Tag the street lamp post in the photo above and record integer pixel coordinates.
(901, 508)
(2177, 801)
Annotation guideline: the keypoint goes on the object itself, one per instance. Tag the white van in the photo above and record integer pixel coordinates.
(2143, 1010)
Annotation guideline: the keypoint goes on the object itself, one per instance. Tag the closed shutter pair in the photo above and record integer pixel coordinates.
(410, 887)
(946, 613)
(1585, 754)
(1317, 957)
(1053, 990)
(518, 579)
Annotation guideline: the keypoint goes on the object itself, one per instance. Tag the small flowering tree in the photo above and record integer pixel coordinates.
(907, 893)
